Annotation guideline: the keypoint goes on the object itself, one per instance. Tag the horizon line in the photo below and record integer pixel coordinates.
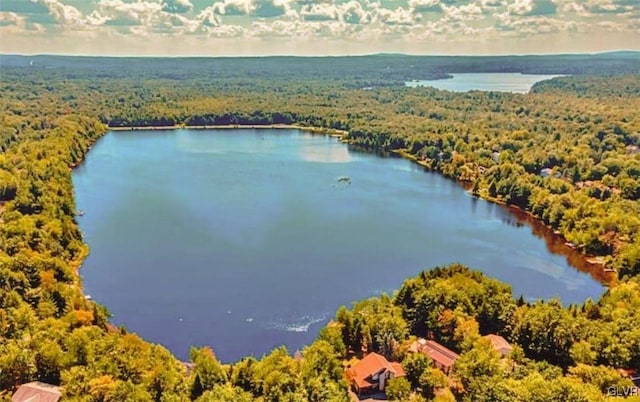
(194, 56)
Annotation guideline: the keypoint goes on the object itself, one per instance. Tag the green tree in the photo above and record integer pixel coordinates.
(207, 373)
(398, 389)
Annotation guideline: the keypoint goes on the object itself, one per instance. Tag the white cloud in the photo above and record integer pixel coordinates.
(62, 13)
(425, 6)
(351, 12)
(536, 25)
(611, 26)
(14, 24)
(573, 7)
(610, 7)
(143, 17)
(464, 13)
(366, 23)
(118, 12)
(320, 12)
(398, 16)
(275, 29)
(227, 31)
(9, 18)
(177, 6)
(233, 7)
(533, 7)
(209, 17)
(491, 3)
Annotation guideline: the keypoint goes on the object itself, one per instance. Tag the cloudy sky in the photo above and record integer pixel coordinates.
(317, 27)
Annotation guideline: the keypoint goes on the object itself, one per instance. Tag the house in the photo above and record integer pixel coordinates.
(188, 367)
(500, 344)
(632, 375)
(442, 357)
(371, 374)
(37, 392)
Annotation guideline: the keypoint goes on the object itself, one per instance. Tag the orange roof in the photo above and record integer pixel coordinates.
(498, 342)
(371, 364)
(440, 354)
(398, 370)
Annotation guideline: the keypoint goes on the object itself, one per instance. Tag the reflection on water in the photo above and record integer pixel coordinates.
(233, 239)
(325, 155)
(556, 244)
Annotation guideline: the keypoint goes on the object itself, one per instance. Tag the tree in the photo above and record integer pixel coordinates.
(225, 393)
(415, 365)
(398, 389)
(433, 380)
(599, 376)
(207, 373)
(478, 364)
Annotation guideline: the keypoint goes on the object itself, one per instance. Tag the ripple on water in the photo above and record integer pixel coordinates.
(301, 324)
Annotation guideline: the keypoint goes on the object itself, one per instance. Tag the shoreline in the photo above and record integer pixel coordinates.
(556, 243)
(317, 130)
(577, 260)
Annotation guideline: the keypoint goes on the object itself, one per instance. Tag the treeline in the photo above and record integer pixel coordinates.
(352, 72)
(568, 153)
(559, 353)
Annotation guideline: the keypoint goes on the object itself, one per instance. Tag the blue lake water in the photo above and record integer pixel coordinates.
(245, 240)
(499, 82)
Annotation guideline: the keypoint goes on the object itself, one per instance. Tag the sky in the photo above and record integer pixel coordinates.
(317, 27)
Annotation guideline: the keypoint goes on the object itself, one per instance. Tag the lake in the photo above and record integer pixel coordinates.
(246, 239)
(499, 82)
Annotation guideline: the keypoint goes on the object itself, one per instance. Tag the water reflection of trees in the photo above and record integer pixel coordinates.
(516, 217)
(555, 243)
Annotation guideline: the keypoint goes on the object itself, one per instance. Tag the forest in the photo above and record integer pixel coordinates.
(568, 153)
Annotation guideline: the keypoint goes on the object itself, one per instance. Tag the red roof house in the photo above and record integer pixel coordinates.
(372, 373)
(442, 357)
(37, 392)
(499, 344)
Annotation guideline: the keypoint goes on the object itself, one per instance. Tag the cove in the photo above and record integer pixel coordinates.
(499, 82)
(247, 239)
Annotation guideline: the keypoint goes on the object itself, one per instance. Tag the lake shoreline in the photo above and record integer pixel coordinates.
(316, 130)
(251, 137)
(558, 244)
(579, 260)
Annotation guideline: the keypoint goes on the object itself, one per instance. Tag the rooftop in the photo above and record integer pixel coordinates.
(371, 364)
(439, 353)
(498, 342)
(37, 392)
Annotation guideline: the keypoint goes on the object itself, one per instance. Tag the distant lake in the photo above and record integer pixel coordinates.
(245, 240)
(500, 82)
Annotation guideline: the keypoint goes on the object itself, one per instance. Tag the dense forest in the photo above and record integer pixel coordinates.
(568, 153)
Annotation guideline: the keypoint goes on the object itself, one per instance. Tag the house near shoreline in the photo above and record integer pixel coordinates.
(37, 392)
(372, 373)
(499, 344)
(442, 357)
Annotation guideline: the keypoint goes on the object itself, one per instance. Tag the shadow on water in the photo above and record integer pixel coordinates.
(556, 244)
(516, 217)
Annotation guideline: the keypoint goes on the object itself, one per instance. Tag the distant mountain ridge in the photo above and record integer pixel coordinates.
(357, 71)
